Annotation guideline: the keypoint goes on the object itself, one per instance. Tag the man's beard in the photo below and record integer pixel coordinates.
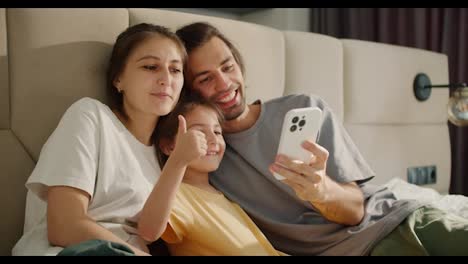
(235, 111)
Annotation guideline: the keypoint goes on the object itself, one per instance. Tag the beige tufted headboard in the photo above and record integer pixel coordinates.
(51, 57)
(392, 129)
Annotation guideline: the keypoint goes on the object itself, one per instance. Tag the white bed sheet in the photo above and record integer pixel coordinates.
(457, 204)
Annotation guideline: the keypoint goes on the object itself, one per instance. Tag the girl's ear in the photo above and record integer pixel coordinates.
(167, 146)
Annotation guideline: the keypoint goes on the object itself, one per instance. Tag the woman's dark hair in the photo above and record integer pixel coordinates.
(168, 125)
(197, 34)
(125, 44)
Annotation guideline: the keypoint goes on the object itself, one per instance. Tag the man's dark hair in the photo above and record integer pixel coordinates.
(197, 34)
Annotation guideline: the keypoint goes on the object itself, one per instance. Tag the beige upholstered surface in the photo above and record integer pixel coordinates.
(262, 48)
(16, 165)
(390, 150)
(378, 84)
(388, 124)
(314, 64)
(4, 88)
(58, 56)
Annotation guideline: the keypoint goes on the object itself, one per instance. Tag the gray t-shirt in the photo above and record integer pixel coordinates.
(292, 225)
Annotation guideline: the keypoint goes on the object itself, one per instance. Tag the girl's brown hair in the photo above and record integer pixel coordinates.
(168, 125)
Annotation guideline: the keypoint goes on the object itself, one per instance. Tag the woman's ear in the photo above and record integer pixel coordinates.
(167, 146)
(116, 84)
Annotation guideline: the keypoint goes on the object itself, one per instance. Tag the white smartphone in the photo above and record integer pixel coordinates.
(299, 124)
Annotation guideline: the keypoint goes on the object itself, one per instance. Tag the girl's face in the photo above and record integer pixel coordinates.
(152, 78)
(205, 120)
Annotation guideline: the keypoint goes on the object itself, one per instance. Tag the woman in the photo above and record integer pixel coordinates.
(98, 167)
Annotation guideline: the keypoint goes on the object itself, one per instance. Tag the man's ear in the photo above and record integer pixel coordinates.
(167, 146)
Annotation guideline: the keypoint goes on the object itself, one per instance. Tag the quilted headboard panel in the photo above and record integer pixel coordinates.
(392, 129)
(378, 84)
(314, 65)
(58, 56)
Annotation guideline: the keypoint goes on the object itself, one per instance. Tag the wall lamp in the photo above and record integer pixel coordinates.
(457, 106)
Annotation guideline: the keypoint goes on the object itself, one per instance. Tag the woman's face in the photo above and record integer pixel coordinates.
(205, 120)
(152, 78)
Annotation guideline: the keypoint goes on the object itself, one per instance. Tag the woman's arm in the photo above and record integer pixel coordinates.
(68, 222)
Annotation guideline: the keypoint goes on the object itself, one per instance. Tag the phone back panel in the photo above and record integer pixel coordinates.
(299, 124)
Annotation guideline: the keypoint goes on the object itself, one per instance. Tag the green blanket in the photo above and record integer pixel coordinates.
(97, 247)
(428, 231)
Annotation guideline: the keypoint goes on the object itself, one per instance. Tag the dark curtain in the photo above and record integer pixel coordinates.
(443, 30)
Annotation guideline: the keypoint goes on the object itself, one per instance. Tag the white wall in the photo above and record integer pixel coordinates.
(281, 18)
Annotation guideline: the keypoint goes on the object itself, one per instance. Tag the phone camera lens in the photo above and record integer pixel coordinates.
(295, 119)
(302, 123)
(293, 128)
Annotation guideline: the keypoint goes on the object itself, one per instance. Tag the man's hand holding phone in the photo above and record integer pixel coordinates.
(307, 179)
(300, 162)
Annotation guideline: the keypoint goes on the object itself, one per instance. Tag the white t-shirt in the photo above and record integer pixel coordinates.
(93, 151)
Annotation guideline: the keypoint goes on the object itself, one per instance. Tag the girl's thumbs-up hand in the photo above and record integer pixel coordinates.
(190, 145)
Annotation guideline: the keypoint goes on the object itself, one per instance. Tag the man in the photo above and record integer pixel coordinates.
(325, 207)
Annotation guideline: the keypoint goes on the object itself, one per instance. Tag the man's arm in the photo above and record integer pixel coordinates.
(337, 202)
(345, 204)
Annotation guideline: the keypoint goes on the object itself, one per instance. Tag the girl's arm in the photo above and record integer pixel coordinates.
(154, 217)
(68, 222)
(155, 214)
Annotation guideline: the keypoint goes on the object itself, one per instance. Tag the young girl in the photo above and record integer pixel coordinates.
(184, 209)
(98, 167)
